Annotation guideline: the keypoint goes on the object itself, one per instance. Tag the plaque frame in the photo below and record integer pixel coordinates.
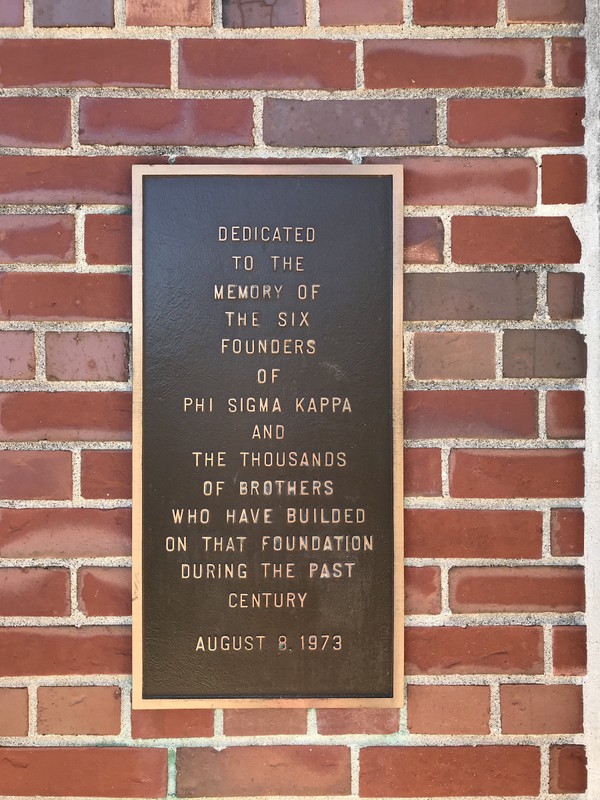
(139, 172)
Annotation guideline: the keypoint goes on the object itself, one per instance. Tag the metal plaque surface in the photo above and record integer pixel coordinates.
(267, 436)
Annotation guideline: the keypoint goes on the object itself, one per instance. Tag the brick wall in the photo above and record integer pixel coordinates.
(482, 101)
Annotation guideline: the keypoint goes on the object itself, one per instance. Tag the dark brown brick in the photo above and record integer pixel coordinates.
(263, 13)
(488, 414)
(544, 354)
(251, 771)
(70, 13)
(564, 179)
(357, 12)
(31, 475)
(64, 532)
(423, 240)
(37, 239)
(108, 239)
(454, 63)
(502, 649)
(568, 769)
(477, 590)
(165, 121)
(85, 62)
(266, 64)
(64, 296)
(534, 709)
(516, 473)
(566, 529)
(87, 356)
(514, 240)
(422, 472)
(516, 122)
(68, 179)
(467, 355)
(34, 592)
(565, 295)
(470, 295)
(422, 590)
(349, 123)
(106, 474)
(565, 415)
(84, 771)
(471, 533)
(11, 13)
(455, 12)
(569, 650)
(568, 61)
(35, 121)
(550, 11)
(65, 416)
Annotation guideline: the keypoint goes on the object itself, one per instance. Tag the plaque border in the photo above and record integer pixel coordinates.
(139, 172)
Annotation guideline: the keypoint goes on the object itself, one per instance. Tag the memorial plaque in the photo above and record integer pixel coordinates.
(267, 436)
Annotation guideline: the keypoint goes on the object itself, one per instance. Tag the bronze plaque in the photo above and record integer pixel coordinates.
(267, 441)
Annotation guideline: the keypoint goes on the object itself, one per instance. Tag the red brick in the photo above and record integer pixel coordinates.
(423, 240)
(65, 651)
(551, 11)
(455, 63)
(454, 355)
(106, 474)
(422, 590)
(35, 121)
(455, 12)
(108, 239)
(433, 771)
(516, 122)
(470, 533)
(541, 709)
(65, 296)
(264, 721)
(252, 14)
(470, 414)
(544, 354)
(478, 590)
(34, 239)
(171, 723)
(84, 771)
(566, 528)
(165, 121)
(564, 179)
(60, 416)
(422, 472)
(169, 12)
(476, 650)
(568, 61)
(68, 179)
(569, 647)
(105, 591)
(85, 62)
(448, 181)
(14, 715)
(11, 13)
(79, 710)
(514, 240)
(64, 532)
(251, 771)
(87, 356)
(335, 721)
(565, 295)
(17, 355)
(349, 123)
(568, 769)
(34, 592)
(470, 295)
(31, 475)
(565, 415)
(69, 13)
(357, 12)
(449, 710)
(266, 64)
(516, 473)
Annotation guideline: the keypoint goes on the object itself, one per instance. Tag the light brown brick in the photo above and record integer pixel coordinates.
(87, 356)
(455, 12)
(568, 769)
(529, 709)
(449, 710)
(14, 715)
(357, 12)
(422, 590)
(171, 723)
(565, 295)
(93, 710)
(455, 355)
(566, 528)
(104, 591)
(17, 355)
(546, 11)
(264, 721)
(335, 721)
(169, 12)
